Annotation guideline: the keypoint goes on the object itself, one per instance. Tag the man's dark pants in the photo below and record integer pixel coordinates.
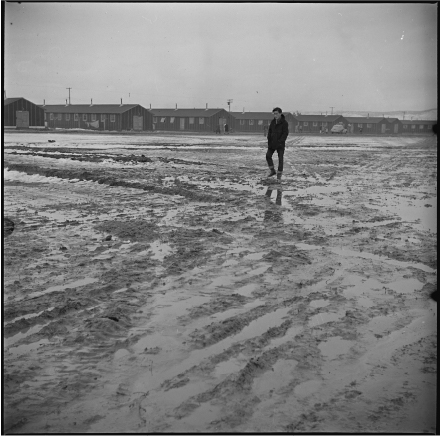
(269, 158)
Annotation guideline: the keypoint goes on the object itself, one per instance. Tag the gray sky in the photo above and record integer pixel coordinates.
(306, 57)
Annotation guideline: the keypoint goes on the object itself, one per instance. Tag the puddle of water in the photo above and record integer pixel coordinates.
(26, 348)
(122, 352)
(222, 281)
(255, 256)
(229, 366)
(246, 290)
(325, 317)
(119, 290)
(13, 339)
(334, 347)
(357, 285)
(76, 284)
(275, 378)
(415, 210)
(168, 218)
(382, 325)
(405, 286)
(365, 302)
(160, 250)
(319, 303)
(307, 388)
(260, 325)
(317, 190)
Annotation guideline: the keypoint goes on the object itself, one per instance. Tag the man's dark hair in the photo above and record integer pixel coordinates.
(277, 109)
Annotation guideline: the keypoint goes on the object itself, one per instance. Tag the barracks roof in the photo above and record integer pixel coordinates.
(88, 109)
(253, 115)
(317, 117)
(185, 112)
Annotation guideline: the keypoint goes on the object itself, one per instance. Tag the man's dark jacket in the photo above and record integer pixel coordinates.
(277, 133)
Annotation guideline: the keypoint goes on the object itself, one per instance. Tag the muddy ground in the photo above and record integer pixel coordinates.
(159, 284)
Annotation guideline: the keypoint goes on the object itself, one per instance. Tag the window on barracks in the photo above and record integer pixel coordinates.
(314, 123)
(60, 116)
(260, 122)
(421, 126)
(368, 126)
(324, 124)
(201, 120)
(242, 122)
(305, 123)
(251, 122)
(163, 120)
(155, 119)
(112, 118)
(84, 117)
(103, 117)
(93, 117)
(191, 120)
(51, 116)
(359, 125)
(404, 126)
(67, 117)
(412, 126)
(75, 117)
(172, 119)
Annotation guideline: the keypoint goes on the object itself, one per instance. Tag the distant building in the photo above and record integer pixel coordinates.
(315, 123)
(191, 120)
(395, 126)
(258, 122)
(369, 125)
(22, 114)
(98, 117)
(418, 126)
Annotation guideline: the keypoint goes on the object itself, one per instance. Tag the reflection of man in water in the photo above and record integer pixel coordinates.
(276, 214)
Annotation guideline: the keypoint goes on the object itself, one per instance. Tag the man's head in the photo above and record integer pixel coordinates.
(277, 112)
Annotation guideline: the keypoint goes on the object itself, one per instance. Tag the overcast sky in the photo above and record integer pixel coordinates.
(305, 57)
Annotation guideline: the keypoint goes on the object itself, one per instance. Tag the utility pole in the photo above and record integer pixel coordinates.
(229, 103)
(69, 94)
(332, 109)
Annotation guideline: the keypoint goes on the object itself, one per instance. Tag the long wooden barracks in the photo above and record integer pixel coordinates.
(193, 120)
(254, 122)
(98, 117)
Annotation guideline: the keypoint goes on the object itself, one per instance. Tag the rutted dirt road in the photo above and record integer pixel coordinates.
(158, 284)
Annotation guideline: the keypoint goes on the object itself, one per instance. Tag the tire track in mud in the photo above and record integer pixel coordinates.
(82, 174)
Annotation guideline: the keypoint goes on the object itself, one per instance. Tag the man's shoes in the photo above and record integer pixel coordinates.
(279, 176)
(272, 172)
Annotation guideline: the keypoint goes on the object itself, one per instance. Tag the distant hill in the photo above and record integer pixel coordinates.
(430, 114)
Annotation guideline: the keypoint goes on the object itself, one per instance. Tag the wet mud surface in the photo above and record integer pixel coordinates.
(161, 284)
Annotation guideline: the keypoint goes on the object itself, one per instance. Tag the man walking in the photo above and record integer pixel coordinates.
(277, 134)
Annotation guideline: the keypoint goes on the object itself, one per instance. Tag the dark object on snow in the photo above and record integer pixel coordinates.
(434, 295)
(8, 227)
(108, 238)
(51, 140)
